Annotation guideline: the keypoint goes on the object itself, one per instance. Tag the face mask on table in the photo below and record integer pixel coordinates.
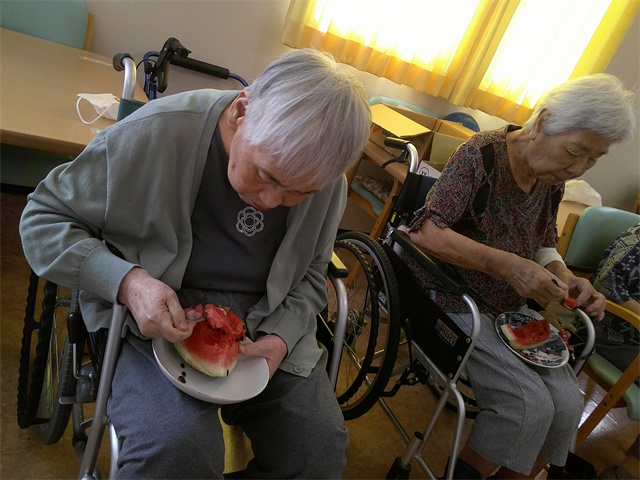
(105, 104)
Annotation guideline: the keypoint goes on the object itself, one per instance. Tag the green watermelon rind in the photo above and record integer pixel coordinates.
(514, 342)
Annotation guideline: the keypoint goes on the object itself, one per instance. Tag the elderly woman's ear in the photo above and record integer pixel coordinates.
(536, 128)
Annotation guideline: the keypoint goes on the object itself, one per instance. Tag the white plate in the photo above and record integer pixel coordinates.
(248, 378)
(552, 354)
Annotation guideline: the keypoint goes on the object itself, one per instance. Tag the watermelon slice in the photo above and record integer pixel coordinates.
(530, 335)
(214, 345)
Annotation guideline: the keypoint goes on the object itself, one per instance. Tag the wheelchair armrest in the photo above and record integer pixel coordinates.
(436, 267)
(337, 268)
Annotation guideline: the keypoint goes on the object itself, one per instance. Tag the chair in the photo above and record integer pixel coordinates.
(582, 242)
(62, 21)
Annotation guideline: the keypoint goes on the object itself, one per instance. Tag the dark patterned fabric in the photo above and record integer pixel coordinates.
(618, 279)
(381, 188)
(512, 220)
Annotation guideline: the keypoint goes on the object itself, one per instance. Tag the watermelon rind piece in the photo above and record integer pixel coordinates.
(212, 369)
(515, 342)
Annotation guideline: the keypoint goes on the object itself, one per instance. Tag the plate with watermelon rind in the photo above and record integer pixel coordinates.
(553, 354)
(248, 378)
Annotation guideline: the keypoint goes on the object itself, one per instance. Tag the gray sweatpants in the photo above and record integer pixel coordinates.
(526, 411)
(295, 425)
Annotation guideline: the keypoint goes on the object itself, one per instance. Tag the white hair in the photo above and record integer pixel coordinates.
(310, 113)
(593, 103)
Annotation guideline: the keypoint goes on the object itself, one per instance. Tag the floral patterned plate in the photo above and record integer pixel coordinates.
(552, 354)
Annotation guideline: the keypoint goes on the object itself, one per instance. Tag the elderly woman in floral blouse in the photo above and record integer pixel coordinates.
(492, 216)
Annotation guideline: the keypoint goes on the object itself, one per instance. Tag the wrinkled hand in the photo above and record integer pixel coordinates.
(271, 347)
(531, 280)
(154, 306)
(592, 302)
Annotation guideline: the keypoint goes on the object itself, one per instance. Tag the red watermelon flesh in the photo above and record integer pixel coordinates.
(531, 335)
(214, 345)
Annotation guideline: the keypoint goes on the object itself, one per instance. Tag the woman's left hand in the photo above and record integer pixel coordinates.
(271, 347)
(591, 301)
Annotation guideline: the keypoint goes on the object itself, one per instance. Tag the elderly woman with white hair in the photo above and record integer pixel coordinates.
(492, 216)
(214, 197)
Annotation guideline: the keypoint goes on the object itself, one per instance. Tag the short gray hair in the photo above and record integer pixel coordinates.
(593, 103)
(310, 113)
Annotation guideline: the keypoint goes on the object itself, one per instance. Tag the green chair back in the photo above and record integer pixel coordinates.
(596, 229)
(60, 21)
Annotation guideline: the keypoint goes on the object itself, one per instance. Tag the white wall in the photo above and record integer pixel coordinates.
(244, 36)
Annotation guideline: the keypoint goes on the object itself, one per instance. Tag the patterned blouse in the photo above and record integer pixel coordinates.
(618, 279)
(512, 220)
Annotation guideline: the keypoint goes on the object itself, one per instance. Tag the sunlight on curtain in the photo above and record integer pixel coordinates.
(409, 42)
(539, 50)
(496, 56)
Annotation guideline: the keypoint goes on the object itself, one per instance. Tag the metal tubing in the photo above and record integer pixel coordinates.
(339, 329)
(115, 451)
(457, 438)
(100, 418)
(129, 87)
(588, 346)
(414, 160)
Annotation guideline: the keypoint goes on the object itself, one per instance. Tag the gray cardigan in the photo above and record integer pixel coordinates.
(135, 186)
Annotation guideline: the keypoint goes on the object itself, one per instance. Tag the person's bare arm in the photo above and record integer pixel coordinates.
(528, 278)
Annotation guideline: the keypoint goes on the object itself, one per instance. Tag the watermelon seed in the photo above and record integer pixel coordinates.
(227, 373)
(182, 365)
(184, 373)
(182, 379)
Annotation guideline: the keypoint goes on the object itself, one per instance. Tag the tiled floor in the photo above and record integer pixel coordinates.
(374, 442)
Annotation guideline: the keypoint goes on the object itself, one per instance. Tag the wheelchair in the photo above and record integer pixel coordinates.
(388, 309)
(64, 367)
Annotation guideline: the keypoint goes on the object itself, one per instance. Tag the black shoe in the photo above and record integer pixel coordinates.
(463, 471)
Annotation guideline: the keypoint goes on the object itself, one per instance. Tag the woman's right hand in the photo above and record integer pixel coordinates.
(154, 306)
(531, 280)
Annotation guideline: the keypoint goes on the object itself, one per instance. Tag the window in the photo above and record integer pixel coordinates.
(499, 56)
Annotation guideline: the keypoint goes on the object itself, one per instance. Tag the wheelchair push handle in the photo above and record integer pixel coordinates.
(124, 61)
(403, 205)
(170, 48)
(409, 152)
(201, 67)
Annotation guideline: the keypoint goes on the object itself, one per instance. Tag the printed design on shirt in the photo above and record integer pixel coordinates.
(250, 221)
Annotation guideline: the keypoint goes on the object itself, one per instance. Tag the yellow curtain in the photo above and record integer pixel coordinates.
(498, 56)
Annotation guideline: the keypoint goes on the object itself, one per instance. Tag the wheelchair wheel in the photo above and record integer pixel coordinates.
(46, 371)
(373, 325)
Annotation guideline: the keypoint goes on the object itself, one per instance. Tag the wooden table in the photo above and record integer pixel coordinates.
(40, 81)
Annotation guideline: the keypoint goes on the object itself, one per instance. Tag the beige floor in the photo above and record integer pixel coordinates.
(374, 442)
